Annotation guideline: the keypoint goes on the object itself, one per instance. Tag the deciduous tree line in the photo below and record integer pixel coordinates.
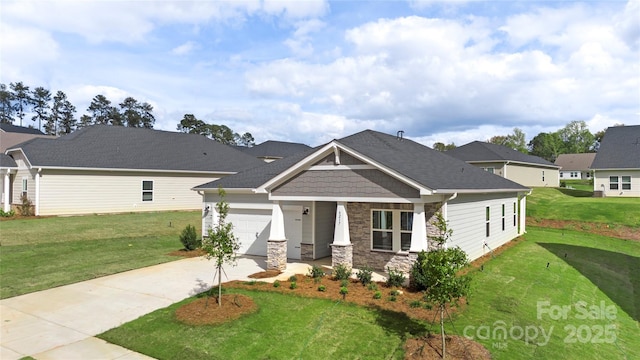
(56, 115)
(574, 138)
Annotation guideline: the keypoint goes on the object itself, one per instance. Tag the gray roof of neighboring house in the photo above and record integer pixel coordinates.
(428, 167)
(478, 151)
(118, 147)
(275, 149)
(575, 162)
(19, 129)
(619, 149)
(7, 161)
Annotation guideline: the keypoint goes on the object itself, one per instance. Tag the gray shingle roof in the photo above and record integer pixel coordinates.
(478, 151)
(7, 161)
(619, 149)
(576, 162)
(118, 147)
(10, 128)
(275, 149)
(428, 167)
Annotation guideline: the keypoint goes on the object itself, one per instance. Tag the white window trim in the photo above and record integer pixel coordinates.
(25, 186)
(396, 231)
(147, 191)
(487, 217)
(617, 182)
(623, 183)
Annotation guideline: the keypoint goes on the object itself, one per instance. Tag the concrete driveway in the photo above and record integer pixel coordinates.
(60, 323)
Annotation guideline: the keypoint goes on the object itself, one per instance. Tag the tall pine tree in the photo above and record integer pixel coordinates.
(21, 99)
(6, 109)
(40, 99)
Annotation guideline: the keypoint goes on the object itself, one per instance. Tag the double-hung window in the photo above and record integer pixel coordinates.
(626, 182)
(613, 183)
(504, 223)
(147, 190)
(25, 186)
(391, 230)
(515, 214)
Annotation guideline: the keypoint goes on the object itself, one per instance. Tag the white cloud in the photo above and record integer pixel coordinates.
(26, 53)
(184, 49)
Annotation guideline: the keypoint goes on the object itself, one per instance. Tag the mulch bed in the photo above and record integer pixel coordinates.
(188, 253)
(207, 311)
(617, 231)
(457, 348)
(265, 274)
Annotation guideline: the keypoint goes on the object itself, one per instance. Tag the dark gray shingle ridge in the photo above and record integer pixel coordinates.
(428, 167)
(275, 149)
(619, 149)
(118, 147)
(7, 161)
(10, 128)
(482, 151)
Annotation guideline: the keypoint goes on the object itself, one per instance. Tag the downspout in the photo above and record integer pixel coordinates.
(37, 205)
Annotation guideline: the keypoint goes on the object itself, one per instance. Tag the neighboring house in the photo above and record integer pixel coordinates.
(110, 169)
(527, 170)
(616, 168)
(11, 135)
(7, 167)
(274, 150)
(575, 166)
(366, 199)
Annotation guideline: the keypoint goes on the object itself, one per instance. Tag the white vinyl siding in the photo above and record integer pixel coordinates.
(533, 175)
(467, 216)
(627, 184)
(87, 192)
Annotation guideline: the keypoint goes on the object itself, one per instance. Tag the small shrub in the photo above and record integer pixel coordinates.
(428, 306)
(392, 298)
(276, 284)
(10, 213)
(377, 295)
(344, 283)
(415, 304)
(316, 273)
(341, 272)
(394, 293)
(293, 278)
(364, 275)
(293, 285)
(25, 206)
(322, 288)
(189, 238)
(396, 278)
(344, 291)
(251, 282)
(372, 286)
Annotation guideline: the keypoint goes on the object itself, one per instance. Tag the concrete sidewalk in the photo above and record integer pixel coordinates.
(60, 323)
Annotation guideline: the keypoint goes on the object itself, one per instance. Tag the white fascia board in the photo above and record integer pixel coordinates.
(296, 168)
(616, 169)
(24, 156)
(133, 170)
(347, 199)
(553, 167)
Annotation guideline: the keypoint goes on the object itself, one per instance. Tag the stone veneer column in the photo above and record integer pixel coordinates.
(277, 243)
(342, 255)
(276, 254)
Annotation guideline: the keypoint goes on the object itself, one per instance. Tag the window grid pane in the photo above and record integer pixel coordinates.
(406, 221)
(383, 240)
(405, 241)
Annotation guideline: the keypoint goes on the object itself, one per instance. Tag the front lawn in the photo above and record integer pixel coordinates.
(41, 253)
(284, 327)
(508, 292)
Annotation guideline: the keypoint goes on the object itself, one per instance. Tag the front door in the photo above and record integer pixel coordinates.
(293, 231)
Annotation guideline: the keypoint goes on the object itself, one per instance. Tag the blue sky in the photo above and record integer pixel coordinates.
(311, 71)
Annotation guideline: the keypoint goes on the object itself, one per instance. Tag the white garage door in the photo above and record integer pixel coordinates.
(251, 228)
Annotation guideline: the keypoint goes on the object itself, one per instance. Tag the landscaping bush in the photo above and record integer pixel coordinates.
(316, 273)
(418, 275)
(372, 286)
(322, 288)
(189, 238)
(396, 278)
(364, 275)
(293, 278)
(25, 206)
(276, 284)
(293, 285)
(344, 291)
(377, 295)
(341, 272)
(344, 283)
(10, 213)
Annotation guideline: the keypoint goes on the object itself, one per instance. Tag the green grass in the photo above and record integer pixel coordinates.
(596, 270)
(581, 185)
(578, 205)
(318, 329)
(38, 254)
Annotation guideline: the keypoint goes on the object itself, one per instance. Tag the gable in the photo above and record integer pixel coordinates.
(354, 183)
